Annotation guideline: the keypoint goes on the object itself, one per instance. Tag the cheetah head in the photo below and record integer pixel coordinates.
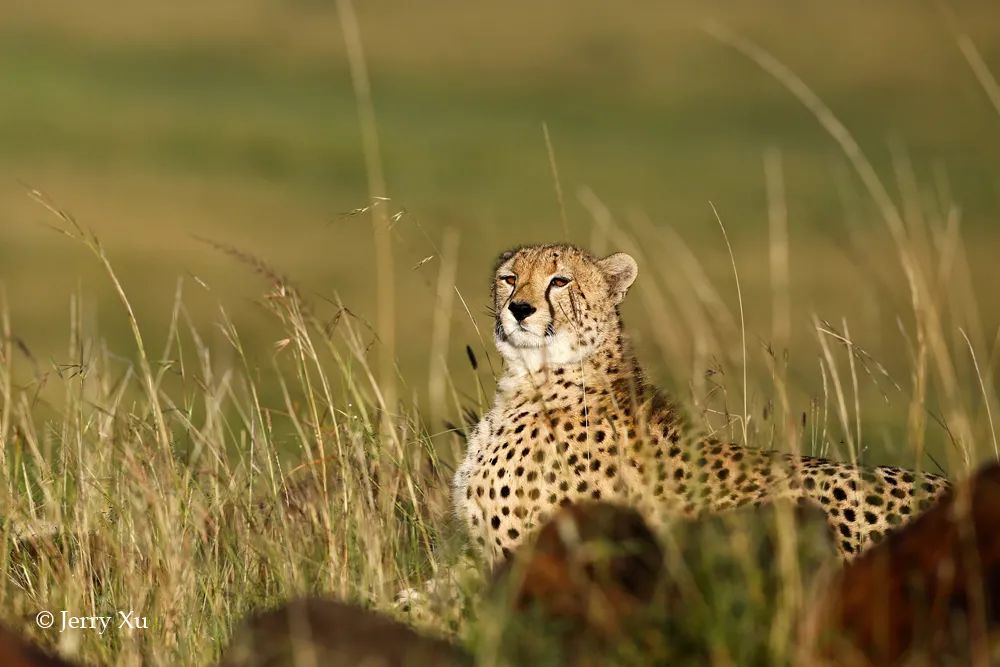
(556, 304)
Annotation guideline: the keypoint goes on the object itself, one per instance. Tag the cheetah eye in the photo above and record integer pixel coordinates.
(510, 280)
(559, 281)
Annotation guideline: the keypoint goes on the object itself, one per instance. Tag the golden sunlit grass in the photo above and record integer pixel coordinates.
(168, 487)
(193, 483)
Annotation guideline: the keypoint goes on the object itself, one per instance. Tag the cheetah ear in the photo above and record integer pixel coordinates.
(620, 270)
(503, 258)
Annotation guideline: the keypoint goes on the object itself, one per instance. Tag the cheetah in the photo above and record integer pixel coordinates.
(574, 419)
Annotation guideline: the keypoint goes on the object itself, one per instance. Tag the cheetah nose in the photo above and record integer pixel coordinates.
(521, 309)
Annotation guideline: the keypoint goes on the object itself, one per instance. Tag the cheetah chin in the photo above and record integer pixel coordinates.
(574, 419)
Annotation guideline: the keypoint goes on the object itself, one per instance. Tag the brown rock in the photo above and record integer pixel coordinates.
(594, 587)
(593, 565)
(15, 651)
(328, 633)
(932, 588)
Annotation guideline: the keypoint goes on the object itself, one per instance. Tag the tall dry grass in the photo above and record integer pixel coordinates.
(167, 482)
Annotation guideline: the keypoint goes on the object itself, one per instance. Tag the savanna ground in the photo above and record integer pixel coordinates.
(177, 476)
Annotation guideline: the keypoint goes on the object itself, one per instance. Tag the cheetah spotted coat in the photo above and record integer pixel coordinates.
(574, 419)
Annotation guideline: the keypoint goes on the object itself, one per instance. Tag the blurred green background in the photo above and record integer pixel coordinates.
(235, 120)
